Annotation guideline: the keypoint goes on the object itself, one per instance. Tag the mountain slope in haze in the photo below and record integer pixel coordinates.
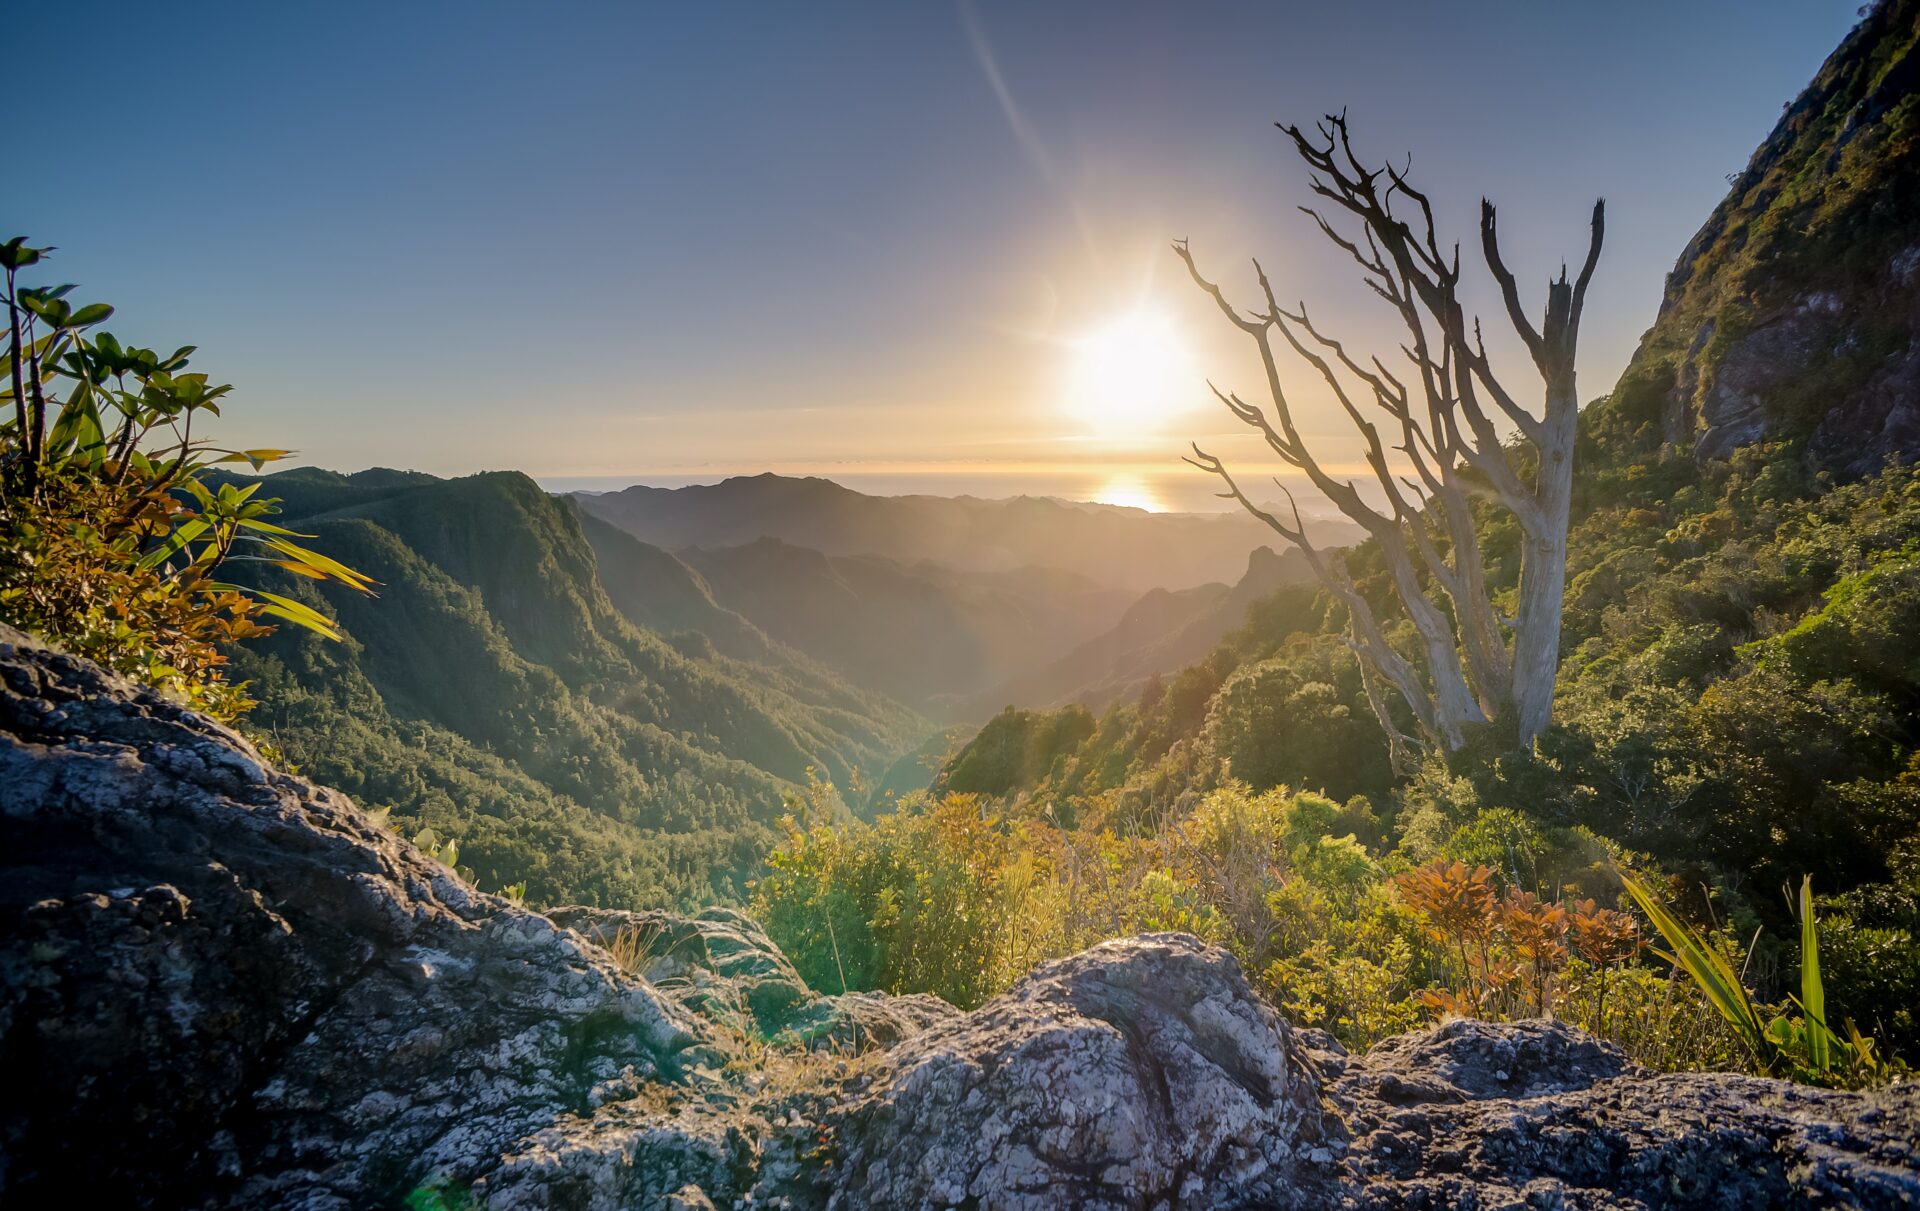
(1162, 632)
(918, 632)
(494, 691)
(1794, 313)
(1122, 547)
(657, 590)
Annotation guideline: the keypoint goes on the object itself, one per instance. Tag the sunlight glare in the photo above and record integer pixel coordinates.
(1133, 376)
(1129, 492)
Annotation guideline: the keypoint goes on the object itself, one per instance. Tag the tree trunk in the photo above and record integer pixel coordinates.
(1467, 676)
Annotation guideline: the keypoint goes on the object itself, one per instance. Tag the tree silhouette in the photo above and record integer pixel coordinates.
(1473, 667)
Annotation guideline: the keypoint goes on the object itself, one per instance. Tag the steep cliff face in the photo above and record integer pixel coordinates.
(222, 986)
(1794, 314)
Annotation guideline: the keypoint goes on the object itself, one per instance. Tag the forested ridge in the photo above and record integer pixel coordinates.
(493, 692)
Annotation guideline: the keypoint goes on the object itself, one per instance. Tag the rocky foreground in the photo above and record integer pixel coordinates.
(226, 987)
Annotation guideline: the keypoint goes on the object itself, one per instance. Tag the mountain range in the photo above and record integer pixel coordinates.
(918, 632)
(608, 721)
(1111, 545)
(1164, 630)
(580, 740)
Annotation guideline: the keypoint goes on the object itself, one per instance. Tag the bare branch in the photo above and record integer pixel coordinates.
(1598, 236)
(1181, 250)
(1509, 289)
(1368, 640)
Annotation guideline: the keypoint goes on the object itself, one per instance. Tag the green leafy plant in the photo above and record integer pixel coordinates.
(112, 530)
(444, 851)
(1813, 997)
(1708, 967)
(1801, 1046)
(439, 1193)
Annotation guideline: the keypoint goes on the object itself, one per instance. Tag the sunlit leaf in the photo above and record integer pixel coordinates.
(182, 534)
(324, 563)
(293, 611)
(1813, 997)
(1707, 967)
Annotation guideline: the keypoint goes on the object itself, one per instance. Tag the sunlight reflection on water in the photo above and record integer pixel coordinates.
(1178, 489)
(1131, 492)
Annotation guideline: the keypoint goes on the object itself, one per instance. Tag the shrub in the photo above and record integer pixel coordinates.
(111, 531)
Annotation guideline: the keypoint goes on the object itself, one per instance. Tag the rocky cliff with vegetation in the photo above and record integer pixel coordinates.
(1794, 313)
(225, 986)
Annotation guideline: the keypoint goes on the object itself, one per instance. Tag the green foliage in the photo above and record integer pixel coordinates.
(1812, 995)
(111, 533)
(1657, 1017)
(439, 1194)
(1275, 705)
(444, 851)
(497, 696)
(916, 901)
(1802, 1046)
(1017, 748)
(1292, 719)
(1744, 702)
(1710, 969)
(1503, 839)
(951, 897)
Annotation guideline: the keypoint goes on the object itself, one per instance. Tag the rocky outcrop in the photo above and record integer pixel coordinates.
(1472, 1114)
(221, 986)
(1140, 1073)
(225, 986)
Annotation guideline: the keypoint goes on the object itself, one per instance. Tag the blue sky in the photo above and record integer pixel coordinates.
(635, 240)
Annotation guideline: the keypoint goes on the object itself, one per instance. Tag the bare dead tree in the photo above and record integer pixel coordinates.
(1473, 666)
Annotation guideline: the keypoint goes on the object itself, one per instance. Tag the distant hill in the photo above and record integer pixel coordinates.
(1794, 313)
(495, 691)
(1162, 632)
(1110, 545)
(658, 590)
(915, 631)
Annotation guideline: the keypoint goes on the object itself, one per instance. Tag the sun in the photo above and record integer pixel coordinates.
(1133, 375)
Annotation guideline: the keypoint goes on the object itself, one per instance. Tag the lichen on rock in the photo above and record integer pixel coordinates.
(1142, 1072)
